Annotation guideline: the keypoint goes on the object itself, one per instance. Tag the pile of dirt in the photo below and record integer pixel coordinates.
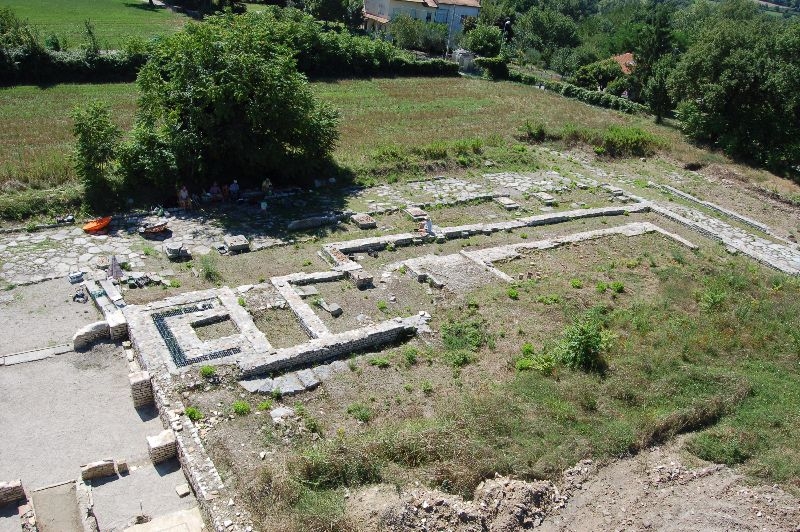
(500, 504)
(654, 490)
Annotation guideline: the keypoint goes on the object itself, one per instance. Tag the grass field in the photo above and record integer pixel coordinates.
(390, 128)
(699, 342)
(115, 21)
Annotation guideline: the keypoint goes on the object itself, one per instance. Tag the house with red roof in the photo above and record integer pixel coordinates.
(378, 13)
(626, 62)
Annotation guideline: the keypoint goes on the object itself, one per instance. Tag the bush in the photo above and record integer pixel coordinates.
(410, 355)
(360, 412)
(493, 67)
(427, 387)
(193, 413)
(464, 335)
(617, 287)
(626, 141)
(483, 40)
(265, 405)
(381, 362)
(513, 293)
(576, 283)
(584, 343)
(413, 34)
(240, 408)
(209, 270)
(208, 371)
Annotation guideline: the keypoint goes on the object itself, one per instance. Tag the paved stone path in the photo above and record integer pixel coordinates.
(52, 253)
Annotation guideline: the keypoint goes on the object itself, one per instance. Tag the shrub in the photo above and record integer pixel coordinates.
(527, 350)
(410, 355)
(584, 343)
(602, 287)
(193, 413)
(209, 270)
(383, 306)
(241, 301)
(427, 387)
(617, 287)
(459, 358)
(208, 371)
(493, 67)
(381, 362)
(513, 293)
(533, 131)
(265, 405)
(483, 40)
(464, 335)
(549, 299)
(360, 412)
(626, 141)
(576, 283)
(240, 408)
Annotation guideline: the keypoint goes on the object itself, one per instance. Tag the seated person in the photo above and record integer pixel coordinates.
(266, 186)
(233, 190)
(184, 202)
(215, 192)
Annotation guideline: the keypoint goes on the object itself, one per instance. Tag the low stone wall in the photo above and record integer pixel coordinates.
(11, 492)
(332, 346)
(90, 335)
(117, 324)
(141, 389)
(99, 469)
(308, 319)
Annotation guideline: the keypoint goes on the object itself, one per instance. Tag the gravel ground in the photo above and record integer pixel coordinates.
(60, 413)
(41, 315)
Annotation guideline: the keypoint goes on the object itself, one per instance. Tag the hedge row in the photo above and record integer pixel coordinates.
(20, 66)
(320, 53)
(600, 99)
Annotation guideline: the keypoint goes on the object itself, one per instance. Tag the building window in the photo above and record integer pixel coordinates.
(428, 16)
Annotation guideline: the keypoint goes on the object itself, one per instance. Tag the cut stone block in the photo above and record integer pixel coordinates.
(267, 386)
(288, 384)
(252, 385)
(310, 223)
(236, 243)
(162, 447)
(175, 251)
(307, 377)
(183, 490)
(364, 221)
(361, 279)
(544, 197)
(507, 203)
(416, 213)
(277, 414)
(305, 291)
(332, 308)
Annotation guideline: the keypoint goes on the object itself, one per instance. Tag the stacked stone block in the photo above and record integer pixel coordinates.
(162, 447)
(11, 492)
(90, 334)
(141, 388)
(99, 469)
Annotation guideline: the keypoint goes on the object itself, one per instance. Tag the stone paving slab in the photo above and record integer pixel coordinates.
(35, 354)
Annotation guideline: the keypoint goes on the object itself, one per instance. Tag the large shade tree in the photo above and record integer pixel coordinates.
(224, 103)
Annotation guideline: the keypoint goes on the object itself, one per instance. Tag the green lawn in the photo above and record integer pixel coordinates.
(114, 20)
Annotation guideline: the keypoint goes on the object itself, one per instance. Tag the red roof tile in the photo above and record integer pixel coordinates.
(626, 62)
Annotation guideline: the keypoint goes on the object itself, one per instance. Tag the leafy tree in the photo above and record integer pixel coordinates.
(598, 74)
(484, 40)
(97, 140)
(331, 10)
(545, 28)
(413, 34)
(737, 85)
(655, 91)
(225, 101)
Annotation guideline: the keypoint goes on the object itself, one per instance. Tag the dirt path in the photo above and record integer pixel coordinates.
(655, 490)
